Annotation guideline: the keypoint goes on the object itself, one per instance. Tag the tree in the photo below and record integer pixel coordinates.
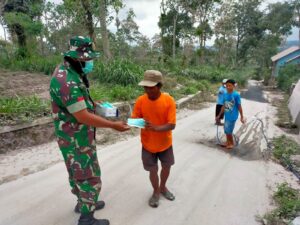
(117, 5)
(21, 18)
(129, 28)
(202, 12)
(296, 22)
(89, 19)
(225, 34)
(173, 22)
(103, 29)
(279, 18)
(246, 19)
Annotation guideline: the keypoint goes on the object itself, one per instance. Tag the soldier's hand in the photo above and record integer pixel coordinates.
(121, 126)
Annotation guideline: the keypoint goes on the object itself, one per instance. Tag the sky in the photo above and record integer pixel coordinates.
(147, 16)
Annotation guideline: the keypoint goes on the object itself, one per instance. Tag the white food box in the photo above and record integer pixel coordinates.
(106, 110)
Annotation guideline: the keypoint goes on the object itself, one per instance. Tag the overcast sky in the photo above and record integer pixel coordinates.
(147, 16)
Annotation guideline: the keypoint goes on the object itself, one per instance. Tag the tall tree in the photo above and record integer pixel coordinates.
(21, 18)
(246, 19)
(225, 34)
(296, 5)
(104, 31)
(129, 28)
(117, 5)
(174, 20)
(89, 19)
(202, 12)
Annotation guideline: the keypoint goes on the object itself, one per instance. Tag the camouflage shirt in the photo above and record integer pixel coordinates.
(69, 95)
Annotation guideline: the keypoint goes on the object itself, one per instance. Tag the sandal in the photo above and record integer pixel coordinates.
(168, 195)
(154, 201)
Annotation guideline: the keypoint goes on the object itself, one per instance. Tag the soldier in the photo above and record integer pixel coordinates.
(75, 123)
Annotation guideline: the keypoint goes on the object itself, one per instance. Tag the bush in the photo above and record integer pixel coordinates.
(122, 72)
(114, 93)
(22, 108)
(189, 90)
(217, 74)
(34, 63)
(288, 201)
(287, 76)
(284, 147)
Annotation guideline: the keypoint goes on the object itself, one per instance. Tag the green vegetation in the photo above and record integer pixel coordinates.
(118, 71)
(22, 109)
(36, 63)
(114, 93)
(287, 76)
(288, 206)
(284, 147)
(37, 32)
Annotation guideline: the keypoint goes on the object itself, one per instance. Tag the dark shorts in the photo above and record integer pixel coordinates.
(218, 110)
(150, 159)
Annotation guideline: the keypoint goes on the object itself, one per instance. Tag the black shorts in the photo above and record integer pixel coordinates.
(218, 110)
(150, 159)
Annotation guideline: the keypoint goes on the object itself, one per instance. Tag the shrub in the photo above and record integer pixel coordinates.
(189, 90)
(122, 72)
(287, 76)
(284, 147)
(114, 93)
(34, 63)
(22, 108)
(288, 201)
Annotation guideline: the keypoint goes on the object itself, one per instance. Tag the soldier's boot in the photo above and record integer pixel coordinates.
(99, 205)
(88, 219)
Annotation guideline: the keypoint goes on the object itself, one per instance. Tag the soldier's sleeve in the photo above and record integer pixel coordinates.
(69, 93)
(74, 100)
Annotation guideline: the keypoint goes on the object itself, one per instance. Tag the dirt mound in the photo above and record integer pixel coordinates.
(23, 83)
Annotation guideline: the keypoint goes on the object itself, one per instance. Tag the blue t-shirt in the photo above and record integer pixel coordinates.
(221, 92)
(231, 103)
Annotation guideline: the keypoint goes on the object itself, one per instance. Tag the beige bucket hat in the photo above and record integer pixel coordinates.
(151, 78)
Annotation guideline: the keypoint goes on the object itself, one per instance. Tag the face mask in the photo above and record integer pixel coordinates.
(140, 123)
(89, 66)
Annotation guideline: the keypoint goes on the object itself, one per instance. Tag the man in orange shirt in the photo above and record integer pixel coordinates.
(159, 111)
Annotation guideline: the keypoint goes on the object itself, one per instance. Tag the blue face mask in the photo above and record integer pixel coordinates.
(140, 123)
(89, 66)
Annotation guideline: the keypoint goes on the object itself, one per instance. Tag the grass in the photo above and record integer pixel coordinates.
(21, 109)
(34, 63)
(287, 200)
(216, 75)
(284, 148)
(114, 93)
(118, 71)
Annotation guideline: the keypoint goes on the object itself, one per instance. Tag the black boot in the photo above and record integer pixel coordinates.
(88, 219)
(99, 205)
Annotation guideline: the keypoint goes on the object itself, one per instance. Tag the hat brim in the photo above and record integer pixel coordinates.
(84, 56)
(146, 83)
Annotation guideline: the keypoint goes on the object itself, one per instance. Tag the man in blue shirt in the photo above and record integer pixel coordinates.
(232, 107)
(220, 99)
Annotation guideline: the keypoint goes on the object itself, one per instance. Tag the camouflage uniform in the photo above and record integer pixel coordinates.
(76, 141)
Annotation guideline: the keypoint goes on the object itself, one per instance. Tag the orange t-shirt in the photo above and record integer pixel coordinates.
(158, 112)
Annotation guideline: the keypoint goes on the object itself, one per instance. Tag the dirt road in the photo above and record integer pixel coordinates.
(212, 187)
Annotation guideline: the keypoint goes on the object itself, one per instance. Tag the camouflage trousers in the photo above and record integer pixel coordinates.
(84, 175)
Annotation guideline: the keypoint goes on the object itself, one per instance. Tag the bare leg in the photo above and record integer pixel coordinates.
(230, 143)
(164, 174)
(154, 181)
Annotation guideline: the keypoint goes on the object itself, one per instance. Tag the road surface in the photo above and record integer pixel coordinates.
(212, 187)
